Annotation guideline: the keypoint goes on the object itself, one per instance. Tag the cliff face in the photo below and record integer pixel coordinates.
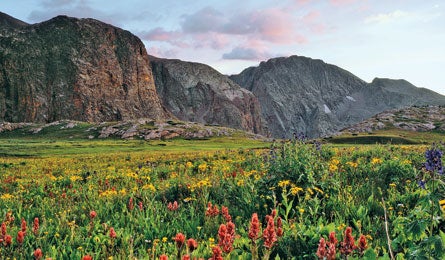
(68, 68)
(299, 94)
(196, 92)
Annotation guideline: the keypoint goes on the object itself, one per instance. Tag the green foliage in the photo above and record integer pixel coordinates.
(315, 191)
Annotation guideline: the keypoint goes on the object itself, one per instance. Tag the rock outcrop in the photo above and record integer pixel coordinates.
(80, 69)
(196, 92)
(299, 94)
(417, 119)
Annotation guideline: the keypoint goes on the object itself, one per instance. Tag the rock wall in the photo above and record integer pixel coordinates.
(80, 69)
(198, 93)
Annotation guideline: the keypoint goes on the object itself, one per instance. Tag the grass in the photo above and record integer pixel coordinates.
(42, 147)
(389, 136)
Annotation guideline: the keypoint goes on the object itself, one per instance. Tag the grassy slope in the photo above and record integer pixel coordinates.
(392, 135)
(53, 141)
(41, 147)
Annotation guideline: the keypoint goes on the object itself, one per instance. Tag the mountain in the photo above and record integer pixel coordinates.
(79, 69)
(196, 92)
(300, 94)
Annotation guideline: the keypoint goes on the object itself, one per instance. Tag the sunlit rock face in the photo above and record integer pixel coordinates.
(68, 68)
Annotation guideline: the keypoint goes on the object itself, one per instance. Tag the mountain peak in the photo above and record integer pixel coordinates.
(9, 21)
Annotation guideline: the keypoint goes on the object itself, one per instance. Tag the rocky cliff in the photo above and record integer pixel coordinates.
(299, 94)
(196, 92)
(68, 68)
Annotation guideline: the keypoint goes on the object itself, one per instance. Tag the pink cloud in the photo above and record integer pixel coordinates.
(161, 35)
(162, 52)
(313, 21)
(272, 25)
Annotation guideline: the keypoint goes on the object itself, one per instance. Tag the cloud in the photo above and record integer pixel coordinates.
(57, 3)
(272, 25)
(205, 20)
(86, 9)
(385, 18)
(162, 52)
(75, 8)
(161, 35)
(244, 53)
(312, 21)
(342, 2)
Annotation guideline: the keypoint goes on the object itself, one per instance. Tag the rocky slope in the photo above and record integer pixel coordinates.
(196, 92)
(299, 94)
(418, 119)
(68, 68)
(142, 129)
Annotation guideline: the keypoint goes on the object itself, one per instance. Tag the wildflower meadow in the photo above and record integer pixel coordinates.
(293, 200)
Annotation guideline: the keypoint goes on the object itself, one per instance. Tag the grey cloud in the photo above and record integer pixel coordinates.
(243, 53)
(205, 20)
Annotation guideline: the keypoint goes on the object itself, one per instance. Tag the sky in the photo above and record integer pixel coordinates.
(398, 39)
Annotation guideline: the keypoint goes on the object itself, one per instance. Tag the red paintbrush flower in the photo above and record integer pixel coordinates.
(20, 237)
(192, 244)
(321, 251)
(254, 228)
(180, 240)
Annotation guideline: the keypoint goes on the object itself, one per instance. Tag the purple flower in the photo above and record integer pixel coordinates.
(434, 160)
(421, 184)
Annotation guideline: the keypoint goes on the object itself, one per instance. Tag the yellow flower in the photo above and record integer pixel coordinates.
(376, 161)
(442, 202)
(6, 196)
(311, 192)
(341, 227)
(164, 239)
(392, 185)
(202, 167)
(295, 190)
(149, 186)
(283, 183)
(301, 211)
(406, 161)
(352, 164)
(240, 183)
(335, 161)
(333, 167)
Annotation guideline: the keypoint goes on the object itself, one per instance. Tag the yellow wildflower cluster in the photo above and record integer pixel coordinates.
(75, 178)
(352, 164)
(202, 167)
(108, 193)
(295, 190)
(284, 183)
(149, 187)
(200, 184)
(333, 165)
(6, 196)
(376, 161)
